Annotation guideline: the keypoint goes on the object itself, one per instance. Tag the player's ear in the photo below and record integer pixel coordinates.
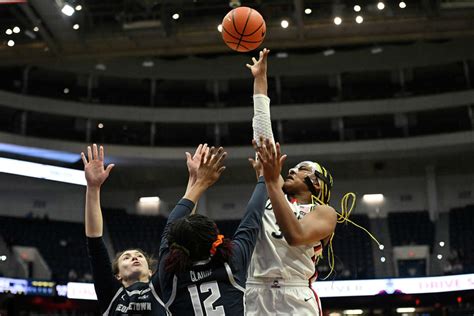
(118, 277)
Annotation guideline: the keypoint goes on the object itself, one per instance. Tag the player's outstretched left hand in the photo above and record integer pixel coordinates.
(272, 160)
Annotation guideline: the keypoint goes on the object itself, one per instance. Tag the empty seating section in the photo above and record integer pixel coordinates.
(461, 223)
(353, 252)
(411, 228)
(62, 244)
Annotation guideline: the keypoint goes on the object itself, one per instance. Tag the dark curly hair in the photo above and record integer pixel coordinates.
(190, 239)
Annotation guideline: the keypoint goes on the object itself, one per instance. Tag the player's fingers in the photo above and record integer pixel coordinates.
(198, 151)
(84, 160)
(283, 159)
(95, 151)
(89, 153)
(254, 60)
(109, 168)
(188, 156)
(221, 170)
(248, 66)
(101, 153)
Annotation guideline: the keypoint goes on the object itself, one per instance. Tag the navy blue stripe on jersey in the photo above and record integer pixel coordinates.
(211, 287)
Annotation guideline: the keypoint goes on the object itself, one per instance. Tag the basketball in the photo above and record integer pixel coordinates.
(243, 29)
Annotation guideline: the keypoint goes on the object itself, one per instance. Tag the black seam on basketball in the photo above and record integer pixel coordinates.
(233, 36)
(233, 23)
(236, 44)
(258, 28)
(245, 26)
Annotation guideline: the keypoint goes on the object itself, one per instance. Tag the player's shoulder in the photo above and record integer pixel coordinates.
(326, 211)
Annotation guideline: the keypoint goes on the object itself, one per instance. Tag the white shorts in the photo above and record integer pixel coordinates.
(281, 298)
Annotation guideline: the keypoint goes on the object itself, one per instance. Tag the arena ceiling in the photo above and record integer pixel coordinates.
(115, 29)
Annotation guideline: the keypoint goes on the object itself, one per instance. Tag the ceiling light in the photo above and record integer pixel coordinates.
(329, 52)
(148, 63)
(359, 19)
(308, 11)
(100, 67)
(78, 7)
(282, 55)
(337, 20)
(382, 259)
(402, 5)
(357, 8)
(36, 29)
(284, 24)
(16, 30)
(11, 43)
(380, 6)
(381, 247)
(66, 90)
(376, 50)
(353, 312)
(439, 256)
(175, 16)
(100, 125)
(441, 243)
(219, 28)
(67, 10)
(75, 26)
(373, 198)
(9, 32)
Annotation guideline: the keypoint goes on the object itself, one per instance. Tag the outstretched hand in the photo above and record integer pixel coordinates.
(193, 162)
(272, 160)
(94, 169)
(211, 166)
(259, 67)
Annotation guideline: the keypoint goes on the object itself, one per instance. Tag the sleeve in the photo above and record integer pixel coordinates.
(105, 283)
(246, 235)
(182, 209)
(261, 122)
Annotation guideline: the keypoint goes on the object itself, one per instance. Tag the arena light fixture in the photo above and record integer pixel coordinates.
(329, 52)
(76, 26)
(441, 244)
(67, 10)
(9, 32)
(382, 259)
(373, 198)
(36, 29)
(337, 20)
(402, 310)
(359, 19)
(42, 171)
(376, 50)
(16, 30)
(353, 312)
(439, 256)
(78, 7)
(357, 8)
(11, 43)
(284, 24)
(150, 199)
(308, 11)
(381, 247)
(402, 5)
(175, 16)
(380, 5)
(100, 125)
(219, 28)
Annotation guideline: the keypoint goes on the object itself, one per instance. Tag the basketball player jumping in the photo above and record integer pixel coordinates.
(296, 224)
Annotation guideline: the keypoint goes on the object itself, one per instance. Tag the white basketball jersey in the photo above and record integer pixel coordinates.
(274, 258)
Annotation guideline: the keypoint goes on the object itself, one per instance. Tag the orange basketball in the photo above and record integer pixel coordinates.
(243, 29)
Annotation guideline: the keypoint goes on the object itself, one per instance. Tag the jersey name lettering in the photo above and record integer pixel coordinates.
(199, 275)
(134, 307)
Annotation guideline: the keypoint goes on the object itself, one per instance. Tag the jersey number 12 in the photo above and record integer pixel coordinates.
(208, 302)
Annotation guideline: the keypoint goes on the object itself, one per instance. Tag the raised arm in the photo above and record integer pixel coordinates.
(96, 175)
(315, 226)
(208, 172)
(261, 123)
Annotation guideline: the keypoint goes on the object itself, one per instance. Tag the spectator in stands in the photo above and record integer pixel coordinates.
(128, 286)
